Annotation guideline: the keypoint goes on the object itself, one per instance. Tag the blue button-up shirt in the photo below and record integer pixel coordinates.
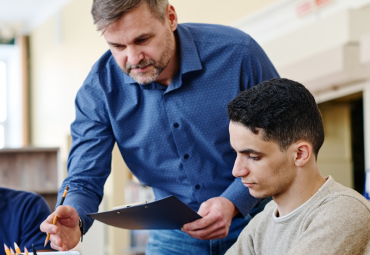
(174, 139)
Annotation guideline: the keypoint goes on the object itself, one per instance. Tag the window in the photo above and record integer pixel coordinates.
(3, 103)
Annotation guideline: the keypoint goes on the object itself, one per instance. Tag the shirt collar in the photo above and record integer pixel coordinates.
(189, 57)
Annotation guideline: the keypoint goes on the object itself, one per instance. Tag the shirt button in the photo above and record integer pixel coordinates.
(197, 186)
(186, 156)
(176, 125)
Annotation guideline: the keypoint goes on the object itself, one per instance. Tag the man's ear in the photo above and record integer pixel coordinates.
(303, 153)
(172, 17)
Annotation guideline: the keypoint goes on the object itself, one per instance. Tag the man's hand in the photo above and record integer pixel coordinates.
(65, 234)
(217, 214)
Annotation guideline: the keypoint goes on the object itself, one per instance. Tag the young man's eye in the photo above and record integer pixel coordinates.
(254, 158)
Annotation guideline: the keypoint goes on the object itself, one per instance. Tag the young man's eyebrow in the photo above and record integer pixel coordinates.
(251, 151)
(248, 151)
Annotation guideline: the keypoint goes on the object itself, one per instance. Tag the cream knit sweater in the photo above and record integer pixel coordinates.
(336, 220)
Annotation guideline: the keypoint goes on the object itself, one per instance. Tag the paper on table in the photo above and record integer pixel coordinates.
(166, 213)
(56, 252)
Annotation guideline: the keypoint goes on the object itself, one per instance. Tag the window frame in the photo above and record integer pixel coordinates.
(3, 122)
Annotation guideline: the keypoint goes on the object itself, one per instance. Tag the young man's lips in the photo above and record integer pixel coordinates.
(249, 184)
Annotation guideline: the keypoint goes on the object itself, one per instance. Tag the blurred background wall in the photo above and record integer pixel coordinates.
(324, 44)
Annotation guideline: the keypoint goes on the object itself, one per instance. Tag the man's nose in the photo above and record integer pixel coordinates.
(134, 55)
(240, 168)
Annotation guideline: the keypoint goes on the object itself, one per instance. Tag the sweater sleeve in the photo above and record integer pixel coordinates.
(340, 227)
(245, 245)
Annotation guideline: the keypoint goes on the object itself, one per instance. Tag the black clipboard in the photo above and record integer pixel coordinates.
(166, 213)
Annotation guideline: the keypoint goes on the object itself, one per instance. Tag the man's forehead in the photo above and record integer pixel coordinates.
(241, 138)
(127, 34)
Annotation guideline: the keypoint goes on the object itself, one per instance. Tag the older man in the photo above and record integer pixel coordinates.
(277, 131)
(160, 93)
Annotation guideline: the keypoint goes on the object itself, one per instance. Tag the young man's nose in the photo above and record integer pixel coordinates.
(240, 168)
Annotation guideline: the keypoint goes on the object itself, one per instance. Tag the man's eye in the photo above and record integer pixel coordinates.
(142, 40)
(118, 47)
(254, 158)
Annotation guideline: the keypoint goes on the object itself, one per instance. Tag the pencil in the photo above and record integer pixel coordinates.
(25, 251)
(11, 251)
(56, 217)
(34, 250)
(7, 251)
(16, 248)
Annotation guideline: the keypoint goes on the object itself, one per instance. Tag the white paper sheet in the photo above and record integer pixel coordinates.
(56, 252)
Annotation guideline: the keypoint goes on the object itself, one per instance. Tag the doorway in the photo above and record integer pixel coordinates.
(342, 154)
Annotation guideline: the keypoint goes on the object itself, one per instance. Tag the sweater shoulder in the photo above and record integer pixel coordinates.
(338, 193)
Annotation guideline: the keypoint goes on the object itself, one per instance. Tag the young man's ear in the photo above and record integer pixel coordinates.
(303, 153)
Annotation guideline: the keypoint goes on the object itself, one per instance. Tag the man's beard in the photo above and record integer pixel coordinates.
(158, 66)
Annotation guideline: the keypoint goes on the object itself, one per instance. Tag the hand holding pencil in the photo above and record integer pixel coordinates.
(56, 216)
(62, 227)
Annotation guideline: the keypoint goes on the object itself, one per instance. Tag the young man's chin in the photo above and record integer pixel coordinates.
(260, 195)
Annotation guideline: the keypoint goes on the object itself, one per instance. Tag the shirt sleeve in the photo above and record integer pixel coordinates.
(336, 228)
(89, 161)
(35, 212)
(257, 68)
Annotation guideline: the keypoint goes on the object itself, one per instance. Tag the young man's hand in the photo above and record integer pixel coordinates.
(217, 214)
(65, 234)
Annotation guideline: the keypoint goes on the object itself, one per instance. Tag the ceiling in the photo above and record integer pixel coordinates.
(21, 16)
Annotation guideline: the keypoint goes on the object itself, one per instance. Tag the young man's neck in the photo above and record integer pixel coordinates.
(305, 186)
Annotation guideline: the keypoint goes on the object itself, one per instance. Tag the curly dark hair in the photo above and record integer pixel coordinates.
(281, 110)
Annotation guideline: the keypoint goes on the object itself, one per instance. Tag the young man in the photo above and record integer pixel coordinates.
(21, 214)
(154, 94)
(276, 130)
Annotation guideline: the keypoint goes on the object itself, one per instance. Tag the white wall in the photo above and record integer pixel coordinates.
(63, 50)
(11, 56)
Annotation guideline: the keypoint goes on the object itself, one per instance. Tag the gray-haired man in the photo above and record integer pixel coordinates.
(160, 93)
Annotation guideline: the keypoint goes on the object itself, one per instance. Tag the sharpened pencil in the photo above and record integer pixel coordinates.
(7, 251)
(11, 251)
(34, 250)
(25, 251)
(56, 217)
(16, 248)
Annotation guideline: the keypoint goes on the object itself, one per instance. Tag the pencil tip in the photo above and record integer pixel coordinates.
(67, 188)
(15, 245)
(34, 250)
(6, 247)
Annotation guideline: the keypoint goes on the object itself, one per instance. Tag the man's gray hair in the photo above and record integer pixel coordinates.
(105, 12)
